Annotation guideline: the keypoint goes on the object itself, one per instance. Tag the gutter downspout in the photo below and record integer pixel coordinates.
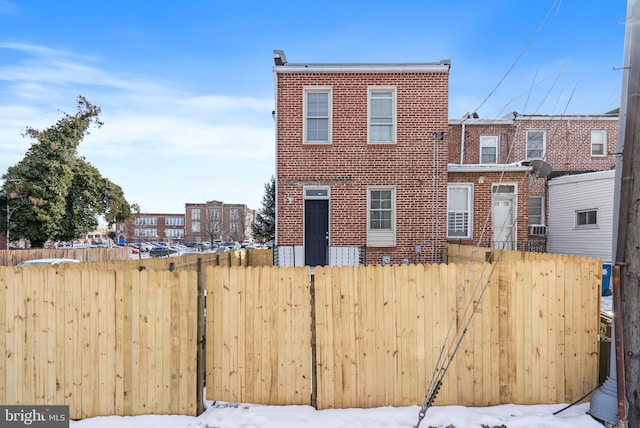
(462, 144)
(275, 118)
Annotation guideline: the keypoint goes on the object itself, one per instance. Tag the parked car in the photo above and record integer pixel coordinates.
(49, 261)
(160, 251)
(222, 249)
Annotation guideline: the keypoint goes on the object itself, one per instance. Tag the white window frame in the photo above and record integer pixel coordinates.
(489, 141)
(195, 214)
(542, 222)
(468, 211)
(381, 237)
(593, 225)
(195, 227)
(315, 90)
(544, 143)
(394, 115)
(598, 139)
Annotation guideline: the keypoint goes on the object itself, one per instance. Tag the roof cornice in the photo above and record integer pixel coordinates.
(433, 67)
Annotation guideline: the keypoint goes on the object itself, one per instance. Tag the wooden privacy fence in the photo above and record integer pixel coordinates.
(102, 342)
(14, 257)
(258, 335)
(455, 253)
(379, 331)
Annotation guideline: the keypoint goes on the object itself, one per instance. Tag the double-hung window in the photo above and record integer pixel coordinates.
(536, 141)
(382, 115)
(536, 210)
(488, 149)
(317, 115)
(381, 217)
(459, 219)
(598, 142)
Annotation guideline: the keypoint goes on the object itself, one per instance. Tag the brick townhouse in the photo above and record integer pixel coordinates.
(362, 153)
(568, 144)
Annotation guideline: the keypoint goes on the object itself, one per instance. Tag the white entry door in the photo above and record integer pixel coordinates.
(503, 227)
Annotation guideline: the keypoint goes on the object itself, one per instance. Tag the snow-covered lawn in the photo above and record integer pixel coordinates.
(233, 415)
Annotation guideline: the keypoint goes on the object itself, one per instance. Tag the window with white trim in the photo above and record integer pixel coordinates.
(598, 142)
(195, 226)
(489, 149)
(317, 115)
(174, 221)
(536, 211)
(536, 143)
(381, 218)
(459, 213)
(586, 218)
(195, 214)
(174, 233)
(382, 115)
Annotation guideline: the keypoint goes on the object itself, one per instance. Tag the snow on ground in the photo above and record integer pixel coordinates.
(233, 415)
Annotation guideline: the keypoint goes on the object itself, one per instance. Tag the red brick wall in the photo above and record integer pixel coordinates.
(416, 165)
(482, 197)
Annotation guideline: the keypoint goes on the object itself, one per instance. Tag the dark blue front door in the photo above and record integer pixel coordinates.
(316, 232)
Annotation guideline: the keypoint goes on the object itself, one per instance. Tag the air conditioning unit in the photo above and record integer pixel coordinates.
(538, 230)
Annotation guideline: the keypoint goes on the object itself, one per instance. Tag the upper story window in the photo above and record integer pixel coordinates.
(381, 217)
(382, 115)
(488, 149)
(317, 115)
(598, 142)
(195, 214)
(174, 221)
(459, 211)
(536, 143)
(145, 221)
(234, 215)
(214, 214)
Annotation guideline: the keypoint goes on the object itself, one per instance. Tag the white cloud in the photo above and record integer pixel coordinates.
(149, 125)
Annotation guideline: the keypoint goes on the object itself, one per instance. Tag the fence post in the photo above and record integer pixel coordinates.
(200, 360)
(314, 372)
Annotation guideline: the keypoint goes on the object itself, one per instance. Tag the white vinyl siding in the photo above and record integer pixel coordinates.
(536, 143)
(488, 149)
(581, 193)
(382, 115)
(598, 142)
(317, 115)
(381, 217)
(459, 211)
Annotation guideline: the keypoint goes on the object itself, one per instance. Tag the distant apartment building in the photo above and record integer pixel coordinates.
(216, 220)
(151, 227)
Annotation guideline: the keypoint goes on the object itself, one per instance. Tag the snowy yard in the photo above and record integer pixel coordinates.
(230, 415)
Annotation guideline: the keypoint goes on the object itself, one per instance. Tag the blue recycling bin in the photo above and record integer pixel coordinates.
(606, 279)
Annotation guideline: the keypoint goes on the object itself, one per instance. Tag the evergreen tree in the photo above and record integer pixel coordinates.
(264, 228)
(55, 194)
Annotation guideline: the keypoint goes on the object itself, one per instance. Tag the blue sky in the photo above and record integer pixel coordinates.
(186, 87)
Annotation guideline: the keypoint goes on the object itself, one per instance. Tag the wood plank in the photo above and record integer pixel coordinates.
(136, 344)
(304, 313)
(6, 348)
(262, 277)
(189, 283)
(271, 300)
(249, 338)
(118, 340)
(212, 350)
(242, 315)
(233, 333)
(176, 345)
